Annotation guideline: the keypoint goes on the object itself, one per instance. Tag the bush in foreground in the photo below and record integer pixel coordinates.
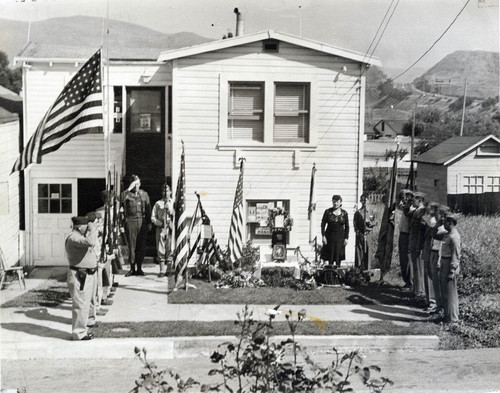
(254, 363)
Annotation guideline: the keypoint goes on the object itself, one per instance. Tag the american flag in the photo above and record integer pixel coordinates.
(77, 110)
(181, 223)
(236, 229)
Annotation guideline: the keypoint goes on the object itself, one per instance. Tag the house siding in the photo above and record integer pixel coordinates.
(273, 172)
(85, 155)
(9, 194)
(471, 165)
(427, 175)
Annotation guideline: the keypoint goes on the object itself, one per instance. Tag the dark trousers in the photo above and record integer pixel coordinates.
(136, 236)
(361, 255)
(404, 260)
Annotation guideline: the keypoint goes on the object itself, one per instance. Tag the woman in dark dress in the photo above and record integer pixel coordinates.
(335, 232)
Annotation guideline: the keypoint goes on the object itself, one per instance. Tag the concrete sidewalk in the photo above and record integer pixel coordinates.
(43, 332)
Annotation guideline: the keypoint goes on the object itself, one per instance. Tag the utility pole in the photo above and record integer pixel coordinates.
(463, 109)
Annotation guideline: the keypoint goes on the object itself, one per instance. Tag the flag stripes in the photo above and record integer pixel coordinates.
(181, 227)
(76, 111)
(236, 229)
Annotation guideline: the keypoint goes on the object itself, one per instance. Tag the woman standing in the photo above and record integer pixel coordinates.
(335, 232)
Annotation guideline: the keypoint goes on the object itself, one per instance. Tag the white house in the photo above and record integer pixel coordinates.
(281, 102)
(463, 172)
(10, 234)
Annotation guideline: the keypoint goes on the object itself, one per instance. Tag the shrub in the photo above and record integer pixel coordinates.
(254, 363)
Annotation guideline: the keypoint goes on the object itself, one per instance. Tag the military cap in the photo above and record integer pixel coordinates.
(79, 221)
(419, 195)
(452, 217)
(91, 217)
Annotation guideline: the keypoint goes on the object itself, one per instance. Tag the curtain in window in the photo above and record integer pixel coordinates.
(245, 111)
(291, 112)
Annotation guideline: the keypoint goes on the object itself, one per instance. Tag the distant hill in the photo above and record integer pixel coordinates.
(447, 77)
(88, 31)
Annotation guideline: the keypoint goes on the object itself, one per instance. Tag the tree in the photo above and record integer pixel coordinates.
(9, 78)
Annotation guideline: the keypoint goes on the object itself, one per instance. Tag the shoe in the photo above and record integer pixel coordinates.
(140, 273)
(106, 302)
(112, 289)
(89, 336)
(437, 310)
(100, 313)
(162, 274)
(130, 273)
(115, 284)
(94, 325)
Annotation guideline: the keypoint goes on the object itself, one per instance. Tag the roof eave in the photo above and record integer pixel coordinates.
(468, 150)
(270, 34)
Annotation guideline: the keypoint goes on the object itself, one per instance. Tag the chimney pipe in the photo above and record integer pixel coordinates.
(239, 23)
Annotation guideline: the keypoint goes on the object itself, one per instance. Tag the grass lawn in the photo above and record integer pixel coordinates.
(228, 328)
(206, 293)
(50, 293)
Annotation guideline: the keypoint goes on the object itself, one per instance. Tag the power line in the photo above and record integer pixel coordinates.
(435, 42)
(379, 26)
(383, 31)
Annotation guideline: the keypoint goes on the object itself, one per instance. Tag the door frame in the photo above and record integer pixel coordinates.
(35, 215)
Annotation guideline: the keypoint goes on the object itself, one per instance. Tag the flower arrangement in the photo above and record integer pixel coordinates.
(279, 211)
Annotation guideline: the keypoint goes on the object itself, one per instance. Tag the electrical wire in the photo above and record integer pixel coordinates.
(435, 42)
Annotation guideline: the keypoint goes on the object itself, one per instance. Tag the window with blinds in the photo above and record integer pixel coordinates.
(291, 112)
(245, 120)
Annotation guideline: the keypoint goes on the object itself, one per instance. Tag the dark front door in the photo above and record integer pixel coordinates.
(145, 142)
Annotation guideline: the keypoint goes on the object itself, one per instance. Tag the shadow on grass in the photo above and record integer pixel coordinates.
(36, 330)
(42, 314)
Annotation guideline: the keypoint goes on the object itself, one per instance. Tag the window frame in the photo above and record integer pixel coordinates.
(269, 81)
(468, 185)
(66, 181)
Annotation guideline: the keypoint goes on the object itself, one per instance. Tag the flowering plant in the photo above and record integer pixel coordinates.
(279, 211)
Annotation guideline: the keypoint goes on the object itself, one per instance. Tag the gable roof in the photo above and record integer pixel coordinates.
(453, 149)
(80, 53)
(270, 34)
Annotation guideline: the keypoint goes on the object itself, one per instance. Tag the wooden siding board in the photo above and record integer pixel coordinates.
(268, 174)
(9, 222)
(470, 165)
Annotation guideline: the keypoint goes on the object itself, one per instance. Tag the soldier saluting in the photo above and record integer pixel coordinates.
(137, 210)
(82, 260)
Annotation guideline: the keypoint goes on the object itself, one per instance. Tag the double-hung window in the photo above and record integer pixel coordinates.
(245, 120)
(291, 112)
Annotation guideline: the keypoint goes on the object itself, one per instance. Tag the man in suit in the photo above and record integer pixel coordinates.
(137, 209)
(82, 260)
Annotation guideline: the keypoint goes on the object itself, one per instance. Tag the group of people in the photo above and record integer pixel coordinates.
(335, 233)
(92, 265)
(91, 275)
(428, 245)
(429, 253)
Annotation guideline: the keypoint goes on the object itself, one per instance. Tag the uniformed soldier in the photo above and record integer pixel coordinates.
(417, 233)
(450, 268)
(405, 201)
(81, 275)
(162, 218)
(137, 209)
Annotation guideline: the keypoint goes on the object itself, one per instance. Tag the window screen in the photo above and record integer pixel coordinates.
(246, 111)
(291, 112)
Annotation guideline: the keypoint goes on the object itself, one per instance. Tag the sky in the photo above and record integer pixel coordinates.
(350, 24)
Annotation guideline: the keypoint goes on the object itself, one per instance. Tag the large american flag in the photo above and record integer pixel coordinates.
(181, 223)
(77, 110)
(236, 229)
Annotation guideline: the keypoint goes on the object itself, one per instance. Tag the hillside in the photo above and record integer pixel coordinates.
(447, 77)
(87, 31)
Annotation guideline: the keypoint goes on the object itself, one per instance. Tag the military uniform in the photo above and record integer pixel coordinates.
(137, 209)
(450, 267)
(161, 217)
(81, 275)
